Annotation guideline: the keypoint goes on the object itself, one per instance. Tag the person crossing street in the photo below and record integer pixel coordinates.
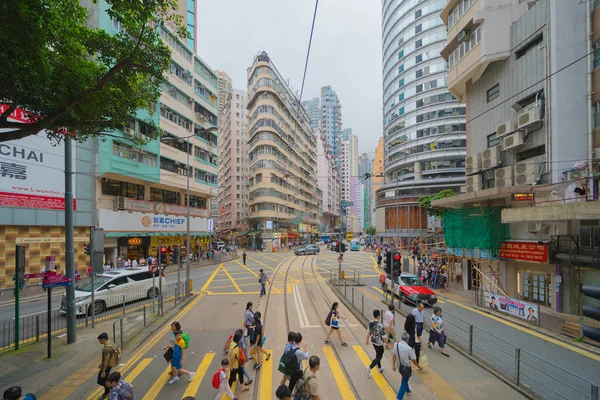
(376, 332)
(402, 358)
(263, 280)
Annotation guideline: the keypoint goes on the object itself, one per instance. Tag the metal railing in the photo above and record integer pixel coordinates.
(34, 327)
(521, 367)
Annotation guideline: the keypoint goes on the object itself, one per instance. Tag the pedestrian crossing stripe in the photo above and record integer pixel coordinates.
(266, 379)
(200, 372)
(158, 385)
(338, 375)
(138, 369)
(379, 379)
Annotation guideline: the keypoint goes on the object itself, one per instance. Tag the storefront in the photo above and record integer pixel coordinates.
(133, 248)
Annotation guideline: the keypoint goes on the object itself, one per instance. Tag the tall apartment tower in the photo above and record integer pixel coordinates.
(365, 166)
(225, 88)
(424, 125)
(331, 119)
(313, 109)
(283, 196)
(233, 166)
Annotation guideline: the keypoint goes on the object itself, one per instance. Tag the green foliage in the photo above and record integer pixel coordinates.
(425, 202)
(370, 230)
(73, 77)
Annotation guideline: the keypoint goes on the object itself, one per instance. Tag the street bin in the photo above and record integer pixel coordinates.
(342, 274)
(272, 249)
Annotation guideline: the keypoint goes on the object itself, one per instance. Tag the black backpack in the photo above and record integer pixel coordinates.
(291, 361)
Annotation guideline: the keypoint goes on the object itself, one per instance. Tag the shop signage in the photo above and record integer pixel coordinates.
(32, 170)
(124, 221)
(162, 208)
(522, 197)
(134, 241)
(524, 251)
(49, 240)
(518, 308)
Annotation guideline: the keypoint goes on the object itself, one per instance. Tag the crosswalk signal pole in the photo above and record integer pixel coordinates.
(591, 312)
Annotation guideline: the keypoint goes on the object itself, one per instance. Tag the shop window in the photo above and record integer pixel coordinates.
(125, 189)
(165, 196)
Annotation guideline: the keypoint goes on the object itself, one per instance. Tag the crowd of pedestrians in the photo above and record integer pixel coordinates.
(433, 275)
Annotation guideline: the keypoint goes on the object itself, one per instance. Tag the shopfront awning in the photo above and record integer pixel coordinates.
(127, 234)
(253, 233)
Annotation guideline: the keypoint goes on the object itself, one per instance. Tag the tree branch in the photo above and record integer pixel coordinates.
(23, 131)
(7, 112)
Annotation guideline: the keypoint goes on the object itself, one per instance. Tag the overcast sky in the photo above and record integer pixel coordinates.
(346, 50)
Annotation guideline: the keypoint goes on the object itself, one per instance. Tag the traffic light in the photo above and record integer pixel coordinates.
(88, 249)
(591, 312)
(397, 263)
(162, 257)
(388, 262)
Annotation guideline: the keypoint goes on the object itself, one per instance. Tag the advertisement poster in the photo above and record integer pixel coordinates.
(517, 308)
(32, 171)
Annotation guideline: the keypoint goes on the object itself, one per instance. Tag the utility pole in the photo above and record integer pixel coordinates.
(69, 246)
(187, 230)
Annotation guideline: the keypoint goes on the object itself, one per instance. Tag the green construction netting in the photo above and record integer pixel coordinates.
(475, 228)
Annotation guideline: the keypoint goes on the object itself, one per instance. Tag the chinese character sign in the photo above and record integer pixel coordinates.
(518, 308)
(524, 251)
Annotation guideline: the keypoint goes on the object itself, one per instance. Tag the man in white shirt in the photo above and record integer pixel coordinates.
(389, 323)
(403, 356)
(419, 314)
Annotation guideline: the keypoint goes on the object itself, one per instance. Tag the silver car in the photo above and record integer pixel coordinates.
(309, 249)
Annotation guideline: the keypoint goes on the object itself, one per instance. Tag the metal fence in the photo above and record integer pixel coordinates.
(521, 367)
(35, 327)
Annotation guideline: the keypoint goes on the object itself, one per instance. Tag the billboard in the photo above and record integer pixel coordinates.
(518, 308)
(32, 170)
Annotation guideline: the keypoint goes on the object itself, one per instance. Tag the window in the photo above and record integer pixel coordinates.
(419, 88)
(174, 166)
(400, 54)
(196, 201)
(401, 96)
(134, 154)
(401, 69)
(418, 28)
(418, 43)
(418, 58)
(165, 196)
(597, 54)
(493, 93)
(493, 140)
(596, 109)
(418, 14)
(401, 83)
(125, 189)
(536, 151)
(529, 45)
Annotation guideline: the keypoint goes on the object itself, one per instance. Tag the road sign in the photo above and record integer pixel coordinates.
(347, 203)
(58, 284)
(340, 258)
(51, 281)
(153, 268)
(349, 236)
(36, 275)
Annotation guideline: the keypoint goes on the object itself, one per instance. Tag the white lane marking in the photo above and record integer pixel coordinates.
(39, 312)
(300, 307)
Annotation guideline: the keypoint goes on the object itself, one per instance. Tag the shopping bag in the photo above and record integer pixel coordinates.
(423, 361)
(281, 367)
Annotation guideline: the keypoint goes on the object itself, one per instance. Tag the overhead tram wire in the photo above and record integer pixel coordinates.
(308, 50)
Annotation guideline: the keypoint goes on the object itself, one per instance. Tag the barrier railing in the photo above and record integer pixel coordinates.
(529, 371)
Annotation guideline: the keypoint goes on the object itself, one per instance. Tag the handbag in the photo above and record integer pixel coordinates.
(281, 367)
(168, 355)
(406, 372)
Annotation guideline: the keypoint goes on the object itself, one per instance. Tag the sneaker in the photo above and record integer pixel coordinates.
(327, 342)
(192, 376)
(381, 369)
(249, 382)
(369, 372)
(345, 344)
(257, 366)
(103, 397)
(174, 380)
(268, 356)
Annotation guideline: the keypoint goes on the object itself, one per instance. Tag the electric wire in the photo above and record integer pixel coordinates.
(308, 50)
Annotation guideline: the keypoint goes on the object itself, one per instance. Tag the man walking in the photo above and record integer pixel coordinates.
(300, 354)
(263, 281)
(108, 353)
(402, 358)
(310, 390)
(419, 319)
(244, 257)
(376, 333)
(389, 324)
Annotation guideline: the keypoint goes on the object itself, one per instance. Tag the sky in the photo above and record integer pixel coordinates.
(345, 53)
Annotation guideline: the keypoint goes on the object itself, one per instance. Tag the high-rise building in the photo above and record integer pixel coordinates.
(328, 180)
(522, 70)
(283, 159)
(365, 166)
(225, 88)
(424, 126)
(233, 166)
(313, 109)
(344, 167)
(331, 119)
(376, 181)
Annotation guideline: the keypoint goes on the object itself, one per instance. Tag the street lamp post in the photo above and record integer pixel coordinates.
(213, 222)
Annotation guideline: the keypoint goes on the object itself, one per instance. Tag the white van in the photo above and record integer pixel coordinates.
(134, 283)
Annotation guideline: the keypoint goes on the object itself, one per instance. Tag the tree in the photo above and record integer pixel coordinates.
(70, 77)
(370, 230)
(425, 202)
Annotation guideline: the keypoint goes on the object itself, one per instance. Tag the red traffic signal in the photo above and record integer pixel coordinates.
(163, 249)
(396, 257)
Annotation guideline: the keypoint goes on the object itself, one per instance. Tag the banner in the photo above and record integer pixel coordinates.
(518, 308)
(524, 251)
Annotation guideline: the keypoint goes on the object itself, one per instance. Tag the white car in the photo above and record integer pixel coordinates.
(109, 288)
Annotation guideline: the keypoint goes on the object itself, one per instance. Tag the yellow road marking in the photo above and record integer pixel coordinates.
(266, 379)
(379, 290)
(138, 369)
(232, 280)
(342, 383)
(248, 269)
(238, 279)
(229, 286)
(289, 288)
(374, 264)
(151, 342)
(441, 301)
(210, 279)
(233, 387)
(158, 385)
(440, 387)
(275, 291)
(292, 280)
(384, 386)
(194, 385)
(533, 333)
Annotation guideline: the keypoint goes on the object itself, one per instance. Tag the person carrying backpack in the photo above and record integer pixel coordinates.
(237, 359)
(177, 360)
(119, 389)
(307, 387)
(111, 357)
(281, 368)
(333, 322)
(293, 360)
(376, 332)
(219, 381)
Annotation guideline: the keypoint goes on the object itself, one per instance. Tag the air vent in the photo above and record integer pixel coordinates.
(504, 177)
(525, 173)
(473, 163)
(515, 140)
(528, 117)
(491, 157)
(504, 129)
(119, 203)
(473, 183)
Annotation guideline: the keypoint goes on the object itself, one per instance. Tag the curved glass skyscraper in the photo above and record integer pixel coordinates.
(424, 126)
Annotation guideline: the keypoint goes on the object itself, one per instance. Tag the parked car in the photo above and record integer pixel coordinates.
(410, 289)
(320, 243)
(354, 246)
(308, 249)
(109, 288)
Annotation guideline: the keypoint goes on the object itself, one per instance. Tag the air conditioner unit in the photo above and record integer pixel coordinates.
(463, 189)
(504, 177)
(524, 173)
(504, 129)
(190, 100)
(491, 157)
(200, 117)
(119, 203)
(573, 175)
(474, 183)
(473, 163)
(463, 35)
(528, 117)
(535, 227)
(514, 140)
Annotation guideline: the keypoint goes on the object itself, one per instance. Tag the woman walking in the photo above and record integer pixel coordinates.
(436, 333)
(410, 326)
(333, 321)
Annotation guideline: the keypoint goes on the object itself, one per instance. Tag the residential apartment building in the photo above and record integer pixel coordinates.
(224, 90)
(233, 166)
(424, 126)
(365, 166)
(283, 160)
(331, 119)
(523, 70)
(313, 109)
(376, 179)
(328, 181)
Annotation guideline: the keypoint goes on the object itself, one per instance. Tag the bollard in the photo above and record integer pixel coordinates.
(37, 328)
(354, 276)
(86, 316)
(176, 293)
(121, 329)
(470, 340)
(358, 277)
(345, 289)
(517, 365)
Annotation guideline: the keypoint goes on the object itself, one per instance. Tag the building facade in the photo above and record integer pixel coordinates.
(233, 167)
(523, 72)
(283, 160)
(365, 166)
(328, 181)
(313, 109)
(224, 90)
(424, 125)
(331, 119)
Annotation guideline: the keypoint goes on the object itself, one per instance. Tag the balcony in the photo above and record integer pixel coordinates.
(457, 14)
(465, 63)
